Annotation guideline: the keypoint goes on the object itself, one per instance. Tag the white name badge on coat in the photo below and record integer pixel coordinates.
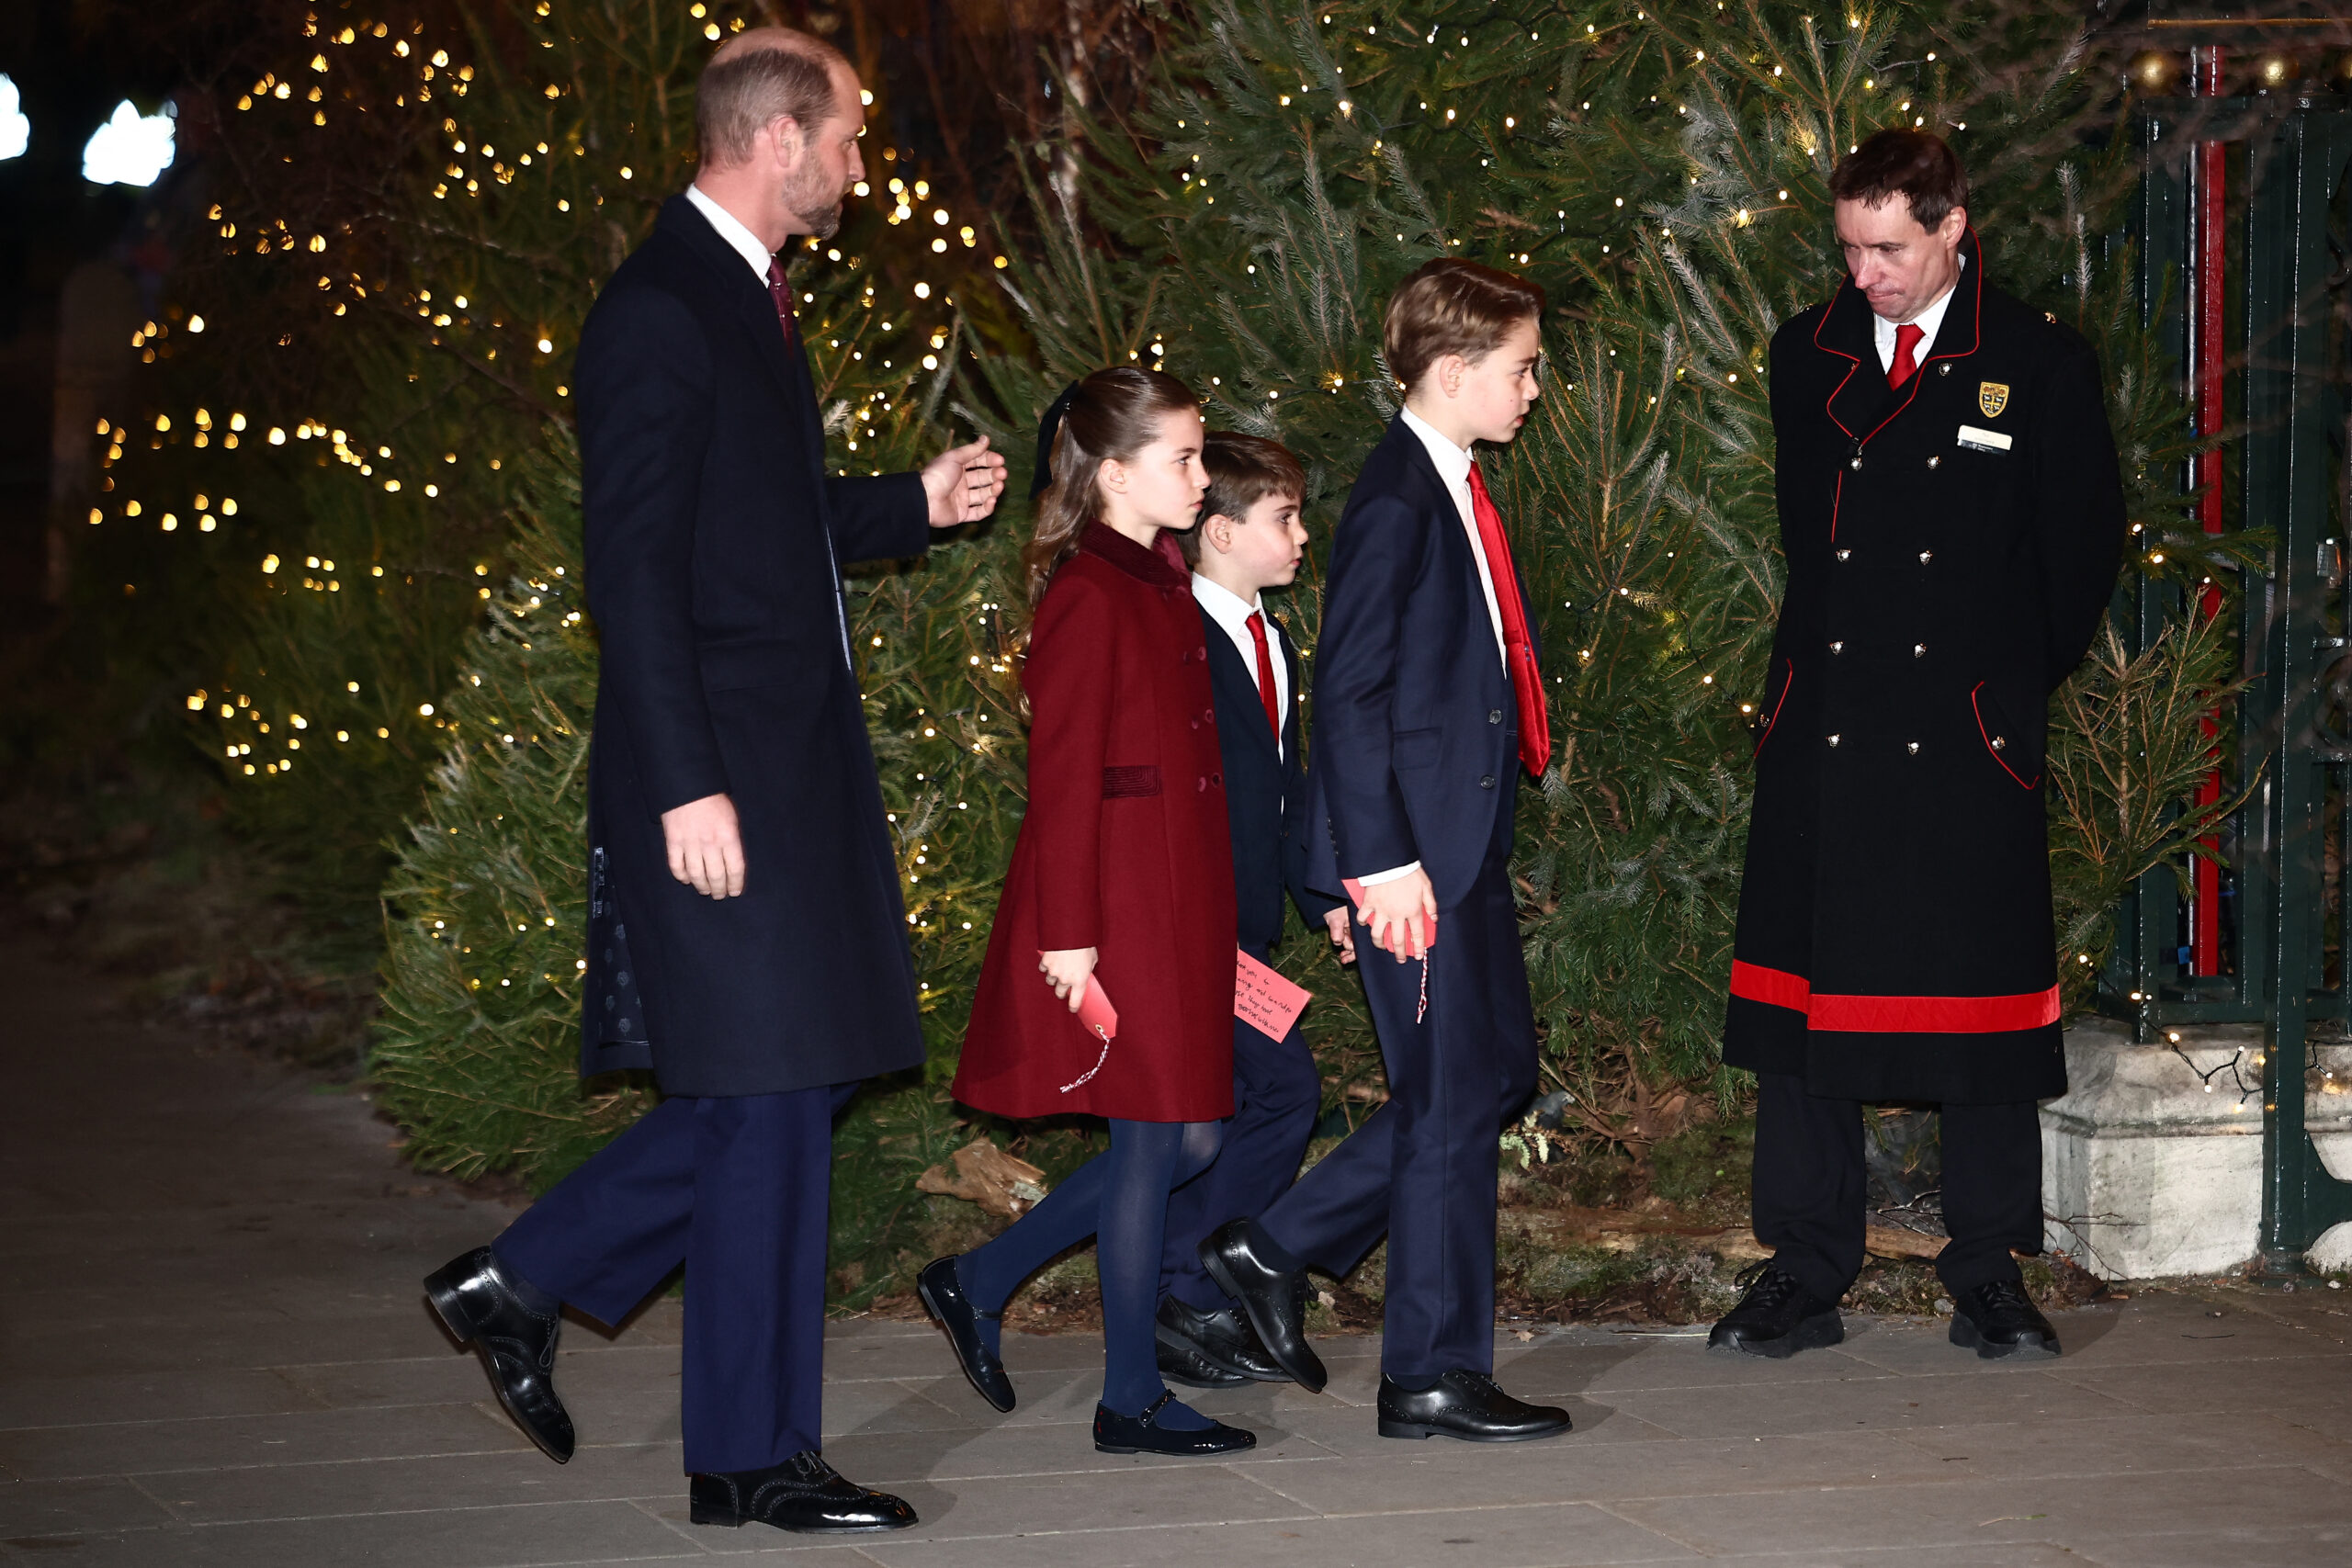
(1983, 440)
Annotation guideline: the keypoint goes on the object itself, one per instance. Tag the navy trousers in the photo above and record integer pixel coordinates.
(737, 1190)
(1812, 1189)
(1277, 1094)
(1422, 1167)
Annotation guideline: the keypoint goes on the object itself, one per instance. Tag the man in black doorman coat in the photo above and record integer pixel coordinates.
(747, 941)
(1951, 516)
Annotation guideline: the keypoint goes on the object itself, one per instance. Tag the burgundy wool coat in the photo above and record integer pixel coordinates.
(1125, 849)
(1952, 546)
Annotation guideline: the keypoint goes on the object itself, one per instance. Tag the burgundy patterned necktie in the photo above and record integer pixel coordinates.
(781, 292)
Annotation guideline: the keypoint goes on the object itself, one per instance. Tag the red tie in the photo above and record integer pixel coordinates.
(1906, 338)
(1266, 676)
(1526, 680)
(781, 292)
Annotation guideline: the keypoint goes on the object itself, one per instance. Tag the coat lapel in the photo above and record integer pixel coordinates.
(1235, 684)
(1862, 404)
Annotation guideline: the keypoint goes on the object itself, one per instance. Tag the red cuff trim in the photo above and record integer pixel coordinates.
(1893, 1015)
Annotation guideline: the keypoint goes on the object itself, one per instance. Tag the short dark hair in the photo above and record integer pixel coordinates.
(1449, 306)
(1919, 166)
(1243, 471)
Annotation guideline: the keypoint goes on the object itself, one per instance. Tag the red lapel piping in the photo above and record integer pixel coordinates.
(1976, 328)
(2023, 783)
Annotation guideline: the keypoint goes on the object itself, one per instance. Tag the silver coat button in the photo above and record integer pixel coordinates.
(1998, 743)
(1913, 748)
(1833, 740)
(1927, 556)
(1837, 647)
(1945, 369)
(1843, 554)
(1919, 650)
(1855, 464)
(1936, 460)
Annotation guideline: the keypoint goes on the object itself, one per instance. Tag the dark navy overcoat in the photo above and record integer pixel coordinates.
(1951, 546)
(714, 540)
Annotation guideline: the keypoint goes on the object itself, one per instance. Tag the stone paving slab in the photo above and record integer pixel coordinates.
(213, 1351)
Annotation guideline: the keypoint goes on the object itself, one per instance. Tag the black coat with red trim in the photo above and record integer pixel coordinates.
(1951, 546)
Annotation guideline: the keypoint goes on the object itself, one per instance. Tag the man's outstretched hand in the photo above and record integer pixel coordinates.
(963, 483)
(706, 846)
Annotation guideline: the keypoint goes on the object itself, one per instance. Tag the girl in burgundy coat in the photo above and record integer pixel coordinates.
(1122, 879)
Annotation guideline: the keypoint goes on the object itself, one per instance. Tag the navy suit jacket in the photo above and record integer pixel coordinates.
(714, 540)
(1416, 731)
(1265, 794)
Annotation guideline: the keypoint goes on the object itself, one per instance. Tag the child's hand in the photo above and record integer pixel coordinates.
(1065, 969)
(1343, 936)
(1394, 913)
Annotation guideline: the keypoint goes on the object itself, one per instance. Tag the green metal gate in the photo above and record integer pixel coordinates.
(2262, 274)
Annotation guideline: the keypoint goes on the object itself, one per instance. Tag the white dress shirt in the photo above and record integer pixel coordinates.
(730, 229)
(1927, 320)
(1228, 609)
(1453, 467)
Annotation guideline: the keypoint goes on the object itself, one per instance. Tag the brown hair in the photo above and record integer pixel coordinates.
(1111, 416)
(1453, 307)
(755, 76)
(1243, 471)
(1911, 164)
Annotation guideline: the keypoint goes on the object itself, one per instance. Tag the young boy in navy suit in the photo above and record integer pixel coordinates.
(1428, 701)
(1249, 539)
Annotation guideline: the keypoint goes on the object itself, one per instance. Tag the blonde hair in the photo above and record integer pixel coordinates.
(1111, 415)
(755, 76)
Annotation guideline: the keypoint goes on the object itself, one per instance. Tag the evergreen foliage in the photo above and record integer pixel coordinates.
(1662, 171)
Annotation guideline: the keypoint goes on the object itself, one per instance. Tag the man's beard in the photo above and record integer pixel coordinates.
(808, 204)
(823, 225)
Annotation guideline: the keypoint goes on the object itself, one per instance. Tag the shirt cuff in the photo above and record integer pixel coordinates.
(1374, 879)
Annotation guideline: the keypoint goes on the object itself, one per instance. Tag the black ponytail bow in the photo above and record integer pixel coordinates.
(1048, 428)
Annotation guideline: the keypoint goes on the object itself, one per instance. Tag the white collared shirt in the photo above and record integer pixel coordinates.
(741, 240)
(1453, 467)
(1927, 320)
(1229, 611)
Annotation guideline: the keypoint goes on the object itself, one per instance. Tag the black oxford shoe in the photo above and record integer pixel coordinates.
(1467, 1405)
(2000, 1319)
(804, 1494)
(944, 1298)
(1190, 1368)
(1777, 1317)
(1118, 1434)
(1223, 1339)
(518, 1346)
(1274, 1302)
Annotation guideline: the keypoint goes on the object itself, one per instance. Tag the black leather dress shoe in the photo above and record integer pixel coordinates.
(477, 1304)
(1274, 1302)
(1223, 1339)
(1190, 1368)
(944, 1298)
(2000, 1319)
(804, 1494)
(1467, 1405)
(1118, 1434)
(1778, 1317)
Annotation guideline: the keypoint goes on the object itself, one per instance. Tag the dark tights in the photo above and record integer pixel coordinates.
(1119, 1196)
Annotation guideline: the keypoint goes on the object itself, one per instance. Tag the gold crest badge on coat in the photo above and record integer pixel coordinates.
(1992, 397)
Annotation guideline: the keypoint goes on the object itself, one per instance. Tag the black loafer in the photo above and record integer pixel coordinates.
(944, 1298)
(1274, 1302)
(1192, 1369)
(1467, 1405)
(1118, 1434)
(1222, 1339)
(804, 1494)
(2000, 1319)
(478, 1305)
(1777, 1317)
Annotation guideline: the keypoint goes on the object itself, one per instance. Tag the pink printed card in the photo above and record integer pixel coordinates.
(1263, 999)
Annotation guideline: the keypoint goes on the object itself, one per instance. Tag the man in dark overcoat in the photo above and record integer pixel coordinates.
(747, 939)
(1952, 518)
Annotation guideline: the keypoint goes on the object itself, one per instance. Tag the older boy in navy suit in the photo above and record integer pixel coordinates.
(1428, 700)
(1249, 540)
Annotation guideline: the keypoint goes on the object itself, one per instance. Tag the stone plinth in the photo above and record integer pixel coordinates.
(2151, 1163)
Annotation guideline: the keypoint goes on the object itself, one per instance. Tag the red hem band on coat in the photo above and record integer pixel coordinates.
(1893, 1015)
